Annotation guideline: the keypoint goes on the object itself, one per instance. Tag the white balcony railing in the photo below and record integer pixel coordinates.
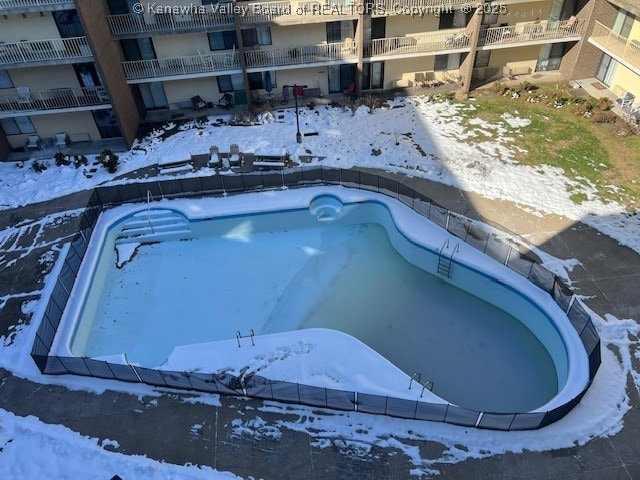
(305, 54)
(44, 50)
(131, 24)
(191, 65)
(417, 8)
(628, 51)
(422, 43)
(6, 5)
(53, 99)
(533, 32)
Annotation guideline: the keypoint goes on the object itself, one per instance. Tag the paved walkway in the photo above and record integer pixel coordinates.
(162, 429)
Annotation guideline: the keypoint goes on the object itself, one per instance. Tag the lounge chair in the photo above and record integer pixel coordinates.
(214, 157)
(226, 101)
(284, 96)
(627, 100)
(33, 143)
(235, 157)
(61, 140)
(198, 103)
(350, 90)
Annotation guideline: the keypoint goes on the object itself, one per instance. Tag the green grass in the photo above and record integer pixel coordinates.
(588, 152)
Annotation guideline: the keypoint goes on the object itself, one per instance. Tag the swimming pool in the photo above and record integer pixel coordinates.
(329, 258)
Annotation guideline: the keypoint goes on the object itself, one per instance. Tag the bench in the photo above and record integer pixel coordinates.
(168, 166)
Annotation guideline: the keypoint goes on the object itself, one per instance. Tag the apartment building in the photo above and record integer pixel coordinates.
(94, 68)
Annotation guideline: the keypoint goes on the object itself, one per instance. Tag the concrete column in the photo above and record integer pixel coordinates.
(360, 46)
(243, 60)
(466, 69)
(108, 61)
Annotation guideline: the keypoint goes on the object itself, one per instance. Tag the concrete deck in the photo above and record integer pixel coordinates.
(163, 431)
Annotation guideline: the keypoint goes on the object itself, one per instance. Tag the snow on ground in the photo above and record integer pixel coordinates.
(416, 137)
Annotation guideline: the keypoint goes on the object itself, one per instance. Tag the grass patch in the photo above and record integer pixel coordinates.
(593, 153)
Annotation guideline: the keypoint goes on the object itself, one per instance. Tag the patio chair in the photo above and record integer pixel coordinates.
(33, 143)
(226, 101)
(350, 90)
(24, 95)
(61, 140)
(284, 96)
(627, 100)
(235, 157)
(214, 157)
(198, 103)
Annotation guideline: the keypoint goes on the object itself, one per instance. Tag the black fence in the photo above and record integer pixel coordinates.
(259, 387)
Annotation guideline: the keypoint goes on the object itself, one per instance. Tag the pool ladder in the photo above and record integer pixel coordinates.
(444, 260)
(251, 335)
(417, 378)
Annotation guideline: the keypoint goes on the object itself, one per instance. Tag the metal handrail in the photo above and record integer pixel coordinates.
(54, 99)
(43, 50)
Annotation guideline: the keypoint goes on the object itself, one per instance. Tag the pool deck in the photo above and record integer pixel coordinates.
(162, 429)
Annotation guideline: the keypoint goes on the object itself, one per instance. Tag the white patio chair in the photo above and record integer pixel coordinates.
(24, 94)
(33, 143)
(61, 140)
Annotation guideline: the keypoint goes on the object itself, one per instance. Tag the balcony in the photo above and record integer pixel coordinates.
(193, 66)
(44, 52)
(418, 8)
(449, 41)
(207, 18)
(306, 55)
(625, 51)
(53, 101)
(26, 6)
(531, 33)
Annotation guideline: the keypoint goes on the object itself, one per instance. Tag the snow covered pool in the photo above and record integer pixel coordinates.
(186, 276)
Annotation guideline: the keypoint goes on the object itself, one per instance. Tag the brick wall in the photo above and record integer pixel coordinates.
(108, 58)
(5, 148)
(583, 59)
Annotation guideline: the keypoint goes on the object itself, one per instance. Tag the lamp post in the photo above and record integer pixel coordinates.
(295, 101)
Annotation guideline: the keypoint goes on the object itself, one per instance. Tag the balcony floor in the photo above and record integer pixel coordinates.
(77, 148)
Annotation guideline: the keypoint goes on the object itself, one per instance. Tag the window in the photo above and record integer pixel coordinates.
(256, 36)
(223, 40)
(68, 23)
(5, 79)
(372, 75)
(441, 62)
(482, 59)
(17, 125)
(230, 83)
(339, 31)
(257, 80)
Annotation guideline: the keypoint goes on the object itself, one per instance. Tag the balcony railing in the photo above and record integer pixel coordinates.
(55, 99)
(416, 44)
(533, 32)
(191, 65)
(418, 8)
(305, 54)
(44, 50)
(131, 24)
(627, 51)
(32, 5)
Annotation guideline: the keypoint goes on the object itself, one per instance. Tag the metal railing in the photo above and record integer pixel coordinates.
(194, 64)
(304, 54)
(132, 23)
(54, 99)
(44, 50)
(625, 49)
(422, 43)
(531, 32)
(259, 387)
(8, 5)
(407, 7)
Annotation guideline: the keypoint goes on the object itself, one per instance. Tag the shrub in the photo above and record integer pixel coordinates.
(109, 160)
(80, 160)
(61, 159)
(604, 117)
(38, 166)
(604, 104)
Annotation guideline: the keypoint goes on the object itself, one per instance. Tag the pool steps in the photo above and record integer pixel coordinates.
(154, 226)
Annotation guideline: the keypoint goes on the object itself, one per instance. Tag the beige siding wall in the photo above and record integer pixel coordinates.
(170, 46)
(635, 30)
(182, 90)
(403, 25)
(48, 125)
(34, 27)
(296, 35)
(626, 80)
(312, 77)
(402, 72)
(515, 57)
(526, 12)
(45, 78)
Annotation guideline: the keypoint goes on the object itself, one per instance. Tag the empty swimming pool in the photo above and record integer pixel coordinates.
(188, 272)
